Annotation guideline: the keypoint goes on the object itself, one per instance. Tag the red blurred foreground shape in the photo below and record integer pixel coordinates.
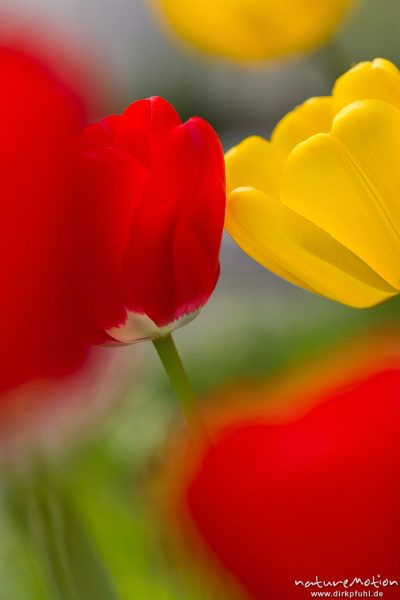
(159, 186)
(313, 492)
(43, 314)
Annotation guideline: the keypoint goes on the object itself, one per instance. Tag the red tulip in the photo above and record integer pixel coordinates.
(159, 187)
(310, 497)
(43, 329)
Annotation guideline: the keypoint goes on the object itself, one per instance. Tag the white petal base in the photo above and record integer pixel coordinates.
(139, 327)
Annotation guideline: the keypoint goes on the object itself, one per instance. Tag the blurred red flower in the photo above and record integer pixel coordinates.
(313, 492)
(159, 186)
(43, 318)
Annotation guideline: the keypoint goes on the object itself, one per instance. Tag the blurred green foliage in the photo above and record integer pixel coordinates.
(106, 474)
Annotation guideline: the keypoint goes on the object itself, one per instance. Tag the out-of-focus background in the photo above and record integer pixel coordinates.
(255, 324)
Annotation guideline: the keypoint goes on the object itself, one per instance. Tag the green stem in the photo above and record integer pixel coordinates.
(180, 383)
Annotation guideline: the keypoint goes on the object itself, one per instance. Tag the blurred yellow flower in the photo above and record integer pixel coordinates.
(254, 29)
(319, 204)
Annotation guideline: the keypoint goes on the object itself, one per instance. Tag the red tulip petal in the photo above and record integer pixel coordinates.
(41, 322)
(315, 496)
(101, 134)
(144, 126)
(171, 265)
(112, 185)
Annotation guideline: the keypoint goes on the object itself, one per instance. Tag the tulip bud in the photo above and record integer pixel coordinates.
(157, 190)
(248, 30)
(43, 316)
(301, 479)
(318, 203)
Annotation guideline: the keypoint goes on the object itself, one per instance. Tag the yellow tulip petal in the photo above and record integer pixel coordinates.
(311, 117)
(300, 252)
(348, 183)
(255, 162)
(378, 80)
(254, 29)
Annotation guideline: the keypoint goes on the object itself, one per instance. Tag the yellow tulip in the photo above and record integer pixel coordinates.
(319, 204)
(254, 29)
